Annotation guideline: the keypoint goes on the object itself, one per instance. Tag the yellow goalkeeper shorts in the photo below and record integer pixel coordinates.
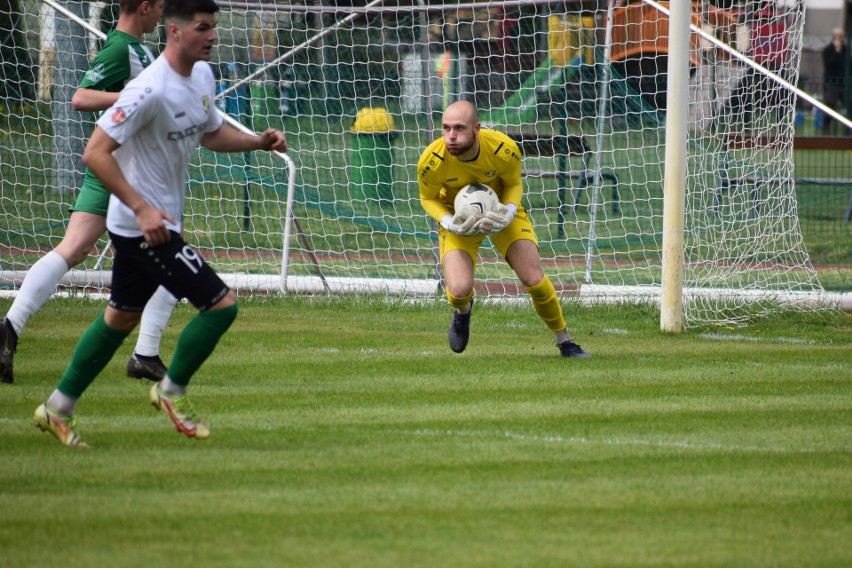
(519, 229)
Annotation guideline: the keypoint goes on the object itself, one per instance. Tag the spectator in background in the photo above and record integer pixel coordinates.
(834, 58)
(756, 90)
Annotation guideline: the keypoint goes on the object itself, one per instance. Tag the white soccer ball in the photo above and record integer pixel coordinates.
(474, 200)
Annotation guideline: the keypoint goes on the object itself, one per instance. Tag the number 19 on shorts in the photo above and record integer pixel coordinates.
(190, 258)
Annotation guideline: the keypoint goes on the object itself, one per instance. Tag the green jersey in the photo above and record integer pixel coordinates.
(121, 59)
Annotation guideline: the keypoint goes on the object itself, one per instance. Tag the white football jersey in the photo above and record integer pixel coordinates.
(159, 120)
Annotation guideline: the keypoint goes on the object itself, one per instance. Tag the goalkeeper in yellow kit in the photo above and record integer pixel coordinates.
(468, 154)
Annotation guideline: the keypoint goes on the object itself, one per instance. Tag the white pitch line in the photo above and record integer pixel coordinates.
(791, 340)
(582, 440)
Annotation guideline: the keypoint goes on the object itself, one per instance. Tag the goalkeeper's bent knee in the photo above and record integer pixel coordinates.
(459, 303)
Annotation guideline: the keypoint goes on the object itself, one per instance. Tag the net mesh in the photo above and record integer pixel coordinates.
(359, 94)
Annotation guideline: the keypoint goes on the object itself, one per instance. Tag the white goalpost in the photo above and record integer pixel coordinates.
(605, 112)
(672, 288)
(674, 182)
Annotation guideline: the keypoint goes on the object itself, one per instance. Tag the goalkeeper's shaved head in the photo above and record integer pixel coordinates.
(462, 110)
(461, 130)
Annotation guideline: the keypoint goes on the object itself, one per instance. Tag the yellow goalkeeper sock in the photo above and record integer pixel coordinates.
(461, 304)
(547, 304)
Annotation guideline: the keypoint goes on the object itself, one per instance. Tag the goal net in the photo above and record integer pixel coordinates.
(359, 93)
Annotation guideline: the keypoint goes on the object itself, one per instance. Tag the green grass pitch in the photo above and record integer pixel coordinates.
(345, 433)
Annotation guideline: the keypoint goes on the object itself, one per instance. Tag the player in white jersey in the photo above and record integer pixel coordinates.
(140, 150)
(159, 140)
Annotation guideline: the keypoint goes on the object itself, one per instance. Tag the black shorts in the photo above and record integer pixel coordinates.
(139, 269)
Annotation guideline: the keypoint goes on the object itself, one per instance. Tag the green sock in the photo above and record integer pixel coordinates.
(94, 350)
(197, 341)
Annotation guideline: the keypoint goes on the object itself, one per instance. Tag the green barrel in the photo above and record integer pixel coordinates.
(371, 173)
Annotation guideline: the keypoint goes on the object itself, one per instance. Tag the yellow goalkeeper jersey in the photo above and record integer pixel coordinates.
(441, 175)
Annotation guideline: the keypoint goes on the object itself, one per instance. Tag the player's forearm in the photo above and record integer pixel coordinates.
(512, 194)
(435, 208)
(92, 100)
(106, 169)
(227, 139)
(99, 159)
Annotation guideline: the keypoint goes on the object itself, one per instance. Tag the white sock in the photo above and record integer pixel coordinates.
(39, 284)
(62, 403)
(170, 388)
(155, 317)
(562, 336)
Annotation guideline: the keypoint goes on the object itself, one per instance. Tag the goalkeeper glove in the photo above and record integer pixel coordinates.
(466, 228)
(497, 220)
